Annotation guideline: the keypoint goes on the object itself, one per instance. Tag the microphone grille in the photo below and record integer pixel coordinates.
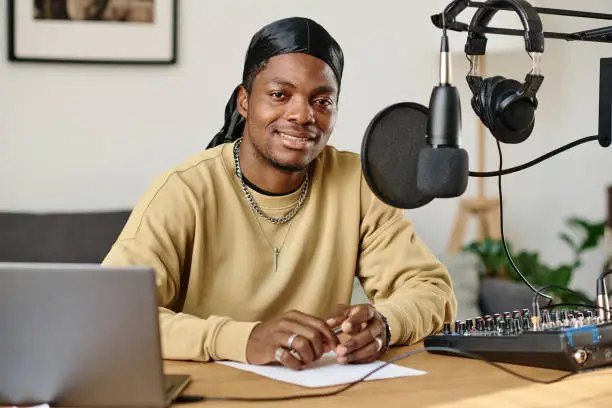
(443, 172)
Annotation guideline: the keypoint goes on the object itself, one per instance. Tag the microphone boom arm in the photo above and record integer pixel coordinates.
(448, 18)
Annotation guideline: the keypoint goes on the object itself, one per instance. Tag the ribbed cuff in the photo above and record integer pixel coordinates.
(395, 323)
(231, 341)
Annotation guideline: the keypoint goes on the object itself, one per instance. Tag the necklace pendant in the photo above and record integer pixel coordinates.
(276, 251)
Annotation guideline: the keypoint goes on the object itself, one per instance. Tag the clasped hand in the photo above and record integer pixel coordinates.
(366, 332)
(296, 339)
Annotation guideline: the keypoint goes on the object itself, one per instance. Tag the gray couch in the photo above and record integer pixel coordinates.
(69, 237)
(86, 237)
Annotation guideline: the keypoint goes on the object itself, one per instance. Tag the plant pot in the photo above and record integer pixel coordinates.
(501, 295)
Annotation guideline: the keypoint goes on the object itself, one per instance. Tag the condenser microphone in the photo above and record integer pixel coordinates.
(443, 165)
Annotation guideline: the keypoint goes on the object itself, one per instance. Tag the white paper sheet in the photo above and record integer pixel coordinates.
(327, 372)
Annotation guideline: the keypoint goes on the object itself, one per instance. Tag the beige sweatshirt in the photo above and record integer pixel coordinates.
(214, 258)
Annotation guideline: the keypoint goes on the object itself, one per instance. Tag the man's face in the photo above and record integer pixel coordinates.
(291, 110)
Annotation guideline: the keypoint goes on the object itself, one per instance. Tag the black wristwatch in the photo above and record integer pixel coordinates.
(385, 346)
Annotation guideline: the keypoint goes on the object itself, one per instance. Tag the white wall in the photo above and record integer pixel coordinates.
(93, 137)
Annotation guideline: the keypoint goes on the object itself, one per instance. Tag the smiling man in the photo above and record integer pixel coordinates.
(256, 240)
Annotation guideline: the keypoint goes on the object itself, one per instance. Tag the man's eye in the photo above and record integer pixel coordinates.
(324, 102)
(277, 94)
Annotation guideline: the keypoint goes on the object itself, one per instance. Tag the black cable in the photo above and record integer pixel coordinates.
(200, 398)
(605, 273)
(499, 173)
(573, 305)
(543, 288)
(534, 161)
(535, 304)
(501, 225)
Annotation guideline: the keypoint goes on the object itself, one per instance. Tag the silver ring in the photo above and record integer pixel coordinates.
(279, 354)
(380, 343)
(296, 355)
(290, 341)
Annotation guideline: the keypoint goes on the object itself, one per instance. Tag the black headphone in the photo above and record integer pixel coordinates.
(505, 106)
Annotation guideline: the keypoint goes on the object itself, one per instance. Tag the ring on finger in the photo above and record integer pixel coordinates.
(278, 355)
(380, 343)
(290, 341)
(296, 355)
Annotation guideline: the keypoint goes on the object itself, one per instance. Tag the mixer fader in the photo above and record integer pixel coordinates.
(560, 339)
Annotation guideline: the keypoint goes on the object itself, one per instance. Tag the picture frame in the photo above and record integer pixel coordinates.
(93, 31)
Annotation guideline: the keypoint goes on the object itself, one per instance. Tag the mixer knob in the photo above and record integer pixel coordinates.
(526, 313)
(501, 326)
(553, 316)
(462, 327)
(480, 326)
(516, 313)
(589, 313)
(563, 315)
(458, 327)
(469, 325)
(526, 323)
(516, 325)
(508, 323)
(447, 328)
(489, 325)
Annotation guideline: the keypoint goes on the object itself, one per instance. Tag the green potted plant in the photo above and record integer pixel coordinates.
(504, 287)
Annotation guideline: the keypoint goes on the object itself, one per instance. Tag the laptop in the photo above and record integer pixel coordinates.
(81, 335)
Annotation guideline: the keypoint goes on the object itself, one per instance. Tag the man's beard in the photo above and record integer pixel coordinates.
(267, 155)
(289, 168)
(264, 153)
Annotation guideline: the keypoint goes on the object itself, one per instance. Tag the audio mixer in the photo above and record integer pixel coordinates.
(571, 340)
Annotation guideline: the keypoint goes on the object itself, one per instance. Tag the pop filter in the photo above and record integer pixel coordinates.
(390, 154)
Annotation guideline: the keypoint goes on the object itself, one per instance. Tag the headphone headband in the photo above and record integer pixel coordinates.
(534, 36)
(506, 106)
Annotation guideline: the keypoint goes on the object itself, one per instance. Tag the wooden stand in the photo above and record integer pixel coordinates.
(485, 210)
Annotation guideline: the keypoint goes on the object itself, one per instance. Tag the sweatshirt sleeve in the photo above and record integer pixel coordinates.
(405, 281)
(159, 234)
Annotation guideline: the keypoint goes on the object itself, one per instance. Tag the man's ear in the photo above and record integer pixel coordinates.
(242, 102)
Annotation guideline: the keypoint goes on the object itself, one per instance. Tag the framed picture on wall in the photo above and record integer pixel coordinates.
(93, 31)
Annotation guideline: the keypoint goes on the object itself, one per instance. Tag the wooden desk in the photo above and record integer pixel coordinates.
(449, 382)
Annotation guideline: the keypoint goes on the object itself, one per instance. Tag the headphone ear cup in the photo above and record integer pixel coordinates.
(515, 123)
(480, 100)
(488, 106)
(477, 105)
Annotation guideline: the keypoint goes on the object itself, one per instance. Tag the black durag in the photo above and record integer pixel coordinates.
(294, 34)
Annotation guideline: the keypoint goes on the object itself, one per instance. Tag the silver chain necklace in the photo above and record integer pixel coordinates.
(253, 204)
(255, 207)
